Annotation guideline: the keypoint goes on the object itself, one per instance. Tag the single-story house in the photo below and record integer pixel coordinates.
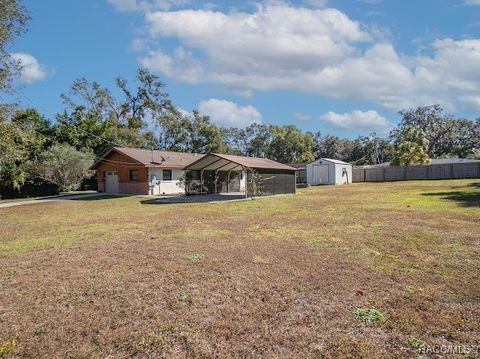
(139, 171)
(327, 171)
(151, 172)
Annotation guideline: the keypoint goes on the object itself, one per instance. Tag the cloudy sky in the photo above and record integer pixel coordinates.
(339, 66)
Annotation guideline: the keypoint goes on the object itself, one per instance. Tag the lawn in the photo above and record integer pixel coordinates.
(367, 270)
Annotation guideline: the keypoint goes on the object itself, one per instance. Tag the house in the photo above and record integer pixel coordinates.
(139, 171)
(150, 172)
(328, 171)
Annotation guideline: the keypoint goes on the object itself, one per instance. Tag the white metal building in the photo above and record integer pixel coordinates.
(328, 171)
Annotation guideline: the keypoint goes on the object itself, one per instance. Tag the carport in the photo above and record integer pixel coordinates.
(219, 173)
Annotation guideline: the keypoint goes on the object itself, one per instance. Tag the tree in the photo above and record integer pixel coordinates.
(446, 136)
(124, 121)
(411, 148)
(329, 146)
(289, 145)
(205, 137)
(13, 20)
(64, 166)
(173, 130)
(370, 150)
(23, 137)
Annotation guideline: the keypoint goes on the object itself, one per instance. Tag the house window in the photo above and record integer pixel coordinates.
(133, 175)
(167, 175)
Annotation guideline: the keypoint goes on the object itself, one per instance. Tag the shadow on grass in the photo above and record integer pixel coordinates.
(96, 198)
(465, 199)
(206, 198)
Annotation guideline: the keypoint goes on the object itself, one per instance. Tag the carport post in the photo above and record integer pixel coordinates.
(295, 190)
(216, 178)
(201, 182)
(228, 181)
(246, 182)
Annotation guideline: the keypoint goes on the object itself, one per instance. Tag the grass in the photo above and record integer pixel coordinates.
(276, 277)
(369, 315)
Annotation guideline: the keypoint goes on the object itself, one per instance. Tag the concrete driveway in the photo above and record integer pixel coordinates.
(65, 197)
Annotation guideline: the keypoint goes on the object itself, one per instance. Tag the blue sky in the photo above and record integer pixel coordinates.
(343, 67)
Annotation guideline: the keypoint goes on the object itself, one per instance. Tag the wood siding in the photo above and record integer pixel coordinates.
(122, 165)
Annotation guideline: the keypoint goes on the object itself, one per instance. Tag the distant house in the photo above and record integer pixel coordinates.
(149, 172)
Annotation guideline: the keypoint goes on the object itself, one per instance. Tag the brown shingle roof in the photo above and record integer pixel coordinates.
(149, 158)
(254, 162)
(249, 162)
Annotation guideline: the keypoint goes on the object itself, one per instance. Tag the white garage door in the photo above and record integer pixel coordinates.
(320, 174)
(111, 182)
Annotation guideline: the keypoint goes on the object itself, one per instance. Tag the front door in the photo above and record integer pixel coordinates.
(111, 182)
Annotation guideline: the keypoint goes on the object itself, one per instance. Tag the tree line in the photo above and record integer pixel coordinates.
(36, 152)
(143, 116)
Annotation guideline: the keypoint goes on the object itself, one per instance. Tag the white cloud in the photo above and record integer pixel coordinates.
(317, 51)
(257, 50)
(229, 114)
(472, 2)
(358, 120)
(31, 69)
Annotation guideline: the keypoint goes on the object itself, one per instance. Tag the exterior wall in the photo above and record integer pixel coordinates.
(340, 178)
(133, 187)
(122, 165)
(166, 187)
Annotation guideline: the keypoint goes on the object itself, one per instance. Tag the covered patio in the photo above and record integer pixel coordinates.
(219, 173)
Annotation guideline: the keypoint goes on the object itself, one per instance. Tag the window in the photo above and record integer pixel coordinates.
(133, 175)
(167, 175)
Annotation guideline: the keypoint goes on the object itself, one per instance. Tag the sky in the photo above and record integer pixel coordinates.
(343, 67)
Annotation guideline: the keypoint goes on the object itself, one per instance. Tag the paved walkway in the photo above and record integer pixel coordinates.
(66, 197)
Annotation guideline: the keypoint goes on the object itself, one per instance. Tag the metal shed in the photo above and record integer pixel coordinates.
(219, 173)
(328, 171)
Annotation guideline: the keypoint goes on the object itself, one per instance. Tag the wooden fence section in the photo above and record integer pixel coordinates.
(428, 172)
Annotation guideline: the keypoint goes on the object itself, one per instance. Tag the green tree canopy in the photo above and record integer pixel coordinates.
(13, 20)
(64, 166)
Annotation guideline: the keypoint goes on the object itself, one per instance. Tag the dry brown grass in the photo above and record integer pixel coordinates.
(275, 277)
